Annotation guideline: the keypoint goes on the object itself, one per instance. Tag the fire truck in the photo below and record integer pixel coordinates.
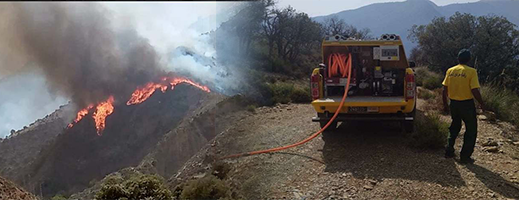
(381, 84)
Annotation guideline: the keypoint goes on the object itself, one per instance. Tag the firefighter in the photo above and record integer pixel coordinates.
(461, 86)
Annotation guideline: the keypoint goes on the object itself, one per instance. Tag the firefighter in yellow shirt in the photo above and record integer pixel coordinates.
(461, 86)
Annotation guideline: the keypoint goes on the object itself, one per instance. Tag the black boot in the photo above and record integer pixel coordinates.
(467, 160)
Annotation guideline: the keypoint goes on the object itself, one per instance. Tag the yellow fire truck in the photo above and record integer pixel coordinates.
(382, 85)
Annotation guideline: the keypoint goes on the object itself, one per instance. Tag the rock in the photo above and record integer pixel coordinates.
(298, 195)
(368, 187)
(492, 149)
(515, 143)
(373, 182)
(491, 194)
(199, 176)
(490, 143)
(482, 117)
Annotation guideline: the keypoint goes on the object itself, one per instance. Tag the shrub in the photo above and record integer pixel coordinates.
(503, 102)
(421, 73)
(59, 197)
(426, 94)
(137, 187)
(301, 95)
(432, 82)
(220, 169)
(431, 132)
(208, 187)
(251, 108)
(427, 78)
(281, 92)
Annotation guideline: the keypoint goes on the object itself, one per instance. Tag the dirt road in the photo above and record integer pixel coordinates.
(358, 161)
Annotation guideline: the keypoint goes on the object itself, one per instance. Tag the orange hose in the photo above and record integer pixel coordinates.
(313, 135)
(340, 62)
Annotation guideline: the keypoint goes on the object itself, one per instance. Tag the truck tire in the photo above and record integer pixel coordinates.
(332, 126)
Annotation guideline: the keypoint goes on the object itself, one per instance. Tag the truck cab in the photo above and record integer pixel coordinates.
(382, 85)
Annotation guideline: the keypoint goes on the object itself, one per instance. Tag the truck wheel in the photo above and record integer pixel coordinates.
(332, 126)
(408, 126)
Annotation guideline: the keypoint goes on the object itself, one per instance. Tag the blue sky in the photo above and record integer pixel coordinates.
(324, 7)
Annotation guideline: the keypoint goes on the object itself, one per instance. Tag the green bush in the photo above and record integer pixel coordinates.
(220, 169)
(420, 74)
(137, 187)
(208, 187)
(281, 92)
(432, 82)
(431, 132)
(301, 95)
(251, 108)
(59, 197)
(503, 102)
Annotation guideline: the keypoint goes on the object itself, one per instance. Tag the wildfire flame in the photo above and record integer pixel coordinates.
(103, 109)
(80, 115)
(141, 94)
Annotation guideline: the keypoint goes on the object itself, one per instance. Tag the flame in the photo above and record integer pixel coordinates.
(103, 110)
(141, 94)
(80, 115)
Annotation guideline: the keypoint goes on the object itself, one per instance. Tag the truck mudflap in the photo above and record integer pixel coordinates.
(324, 117)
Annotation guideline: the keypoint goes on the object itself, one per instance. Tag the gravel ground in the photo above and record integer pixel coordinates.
(358, 161)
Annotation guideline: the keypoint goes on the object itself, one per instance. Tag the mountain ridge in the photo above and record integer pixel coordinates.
(399, 17)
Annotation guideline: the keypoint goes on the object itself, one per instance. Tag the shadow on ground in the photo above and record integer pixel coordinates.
(376, 150)
(495, 182)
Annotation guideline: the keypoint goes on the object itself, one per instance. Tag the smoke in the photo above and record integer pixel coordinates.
(78, 52)
(85, 52)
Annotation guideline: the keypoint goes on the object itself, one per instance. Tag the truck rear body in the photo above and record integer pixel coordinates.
(382, 83)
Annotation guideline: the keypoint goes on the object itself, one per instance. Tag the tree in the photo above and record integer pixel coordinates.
(494, 42)
(336, 26)
(295, 31)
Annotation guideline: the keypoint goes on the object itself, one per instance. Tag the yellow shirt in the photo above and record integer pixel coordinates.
(460, 80)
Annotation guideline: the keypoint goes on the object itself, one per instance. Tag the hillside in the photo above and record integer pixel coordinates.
(214, 116)
(47, 158)
(9, 191)
(399, 17)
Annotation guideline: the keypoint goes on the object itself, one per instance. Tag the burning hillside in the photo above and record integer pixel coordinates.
(141, 94)
(84, 58)
(111, 76)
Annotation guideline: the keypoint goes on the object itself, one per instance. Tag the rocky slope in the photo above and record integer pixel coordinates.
(49, 159)
(22, 148)
(214, 115)
(9, 191)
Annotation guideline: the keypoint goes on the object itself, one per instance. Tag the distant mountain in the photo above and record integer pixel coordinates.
(399, 17)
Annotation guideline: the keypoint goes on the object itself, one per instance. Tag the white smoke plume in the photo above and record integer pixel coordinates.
(176, 32)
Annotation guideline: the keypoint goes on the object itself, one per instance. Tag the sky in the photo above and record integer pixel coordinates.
(324, 7)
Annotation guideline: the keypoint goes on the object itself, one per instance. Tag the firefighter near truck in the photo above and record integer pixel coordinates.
(381, 84)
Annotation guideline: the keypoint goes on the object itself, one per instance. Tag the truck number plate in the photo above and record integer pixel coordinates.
(357, 109)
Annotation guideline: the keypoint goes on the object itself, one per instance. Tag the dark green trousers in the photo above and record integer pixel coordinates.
(463, 111)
